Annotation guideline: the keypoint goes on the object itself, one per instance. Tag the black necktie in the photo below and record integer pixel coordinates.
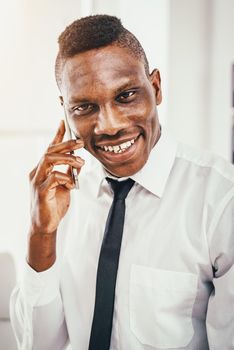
(107, 268)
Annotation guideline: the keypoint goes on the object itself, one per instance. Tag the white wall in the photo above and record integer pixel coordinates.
(189, 70)
(201, 54)
(222, 58)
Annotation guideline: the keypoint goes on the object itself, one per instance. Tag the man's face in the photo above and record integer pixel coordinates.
(111, 105)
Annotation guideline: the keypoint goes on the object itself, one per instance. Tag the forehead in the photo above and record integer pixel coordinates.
(108, 68)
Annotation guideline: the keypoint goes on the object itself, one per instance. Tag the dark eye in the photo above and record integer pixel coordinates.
(126, 96)
(84, 108)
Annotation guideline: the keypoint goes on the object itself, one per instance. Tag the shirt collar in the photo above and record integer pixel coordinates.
(154, 175)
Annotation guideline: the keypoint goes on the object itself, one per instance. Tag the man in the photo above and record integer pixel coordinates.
(173, 287)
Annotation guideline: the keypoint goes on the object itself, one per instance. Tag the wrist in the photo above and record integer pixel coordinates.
(41, 250)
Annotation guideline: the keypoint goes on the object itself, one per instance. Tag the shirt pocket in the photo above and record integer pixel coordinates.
(161, 304)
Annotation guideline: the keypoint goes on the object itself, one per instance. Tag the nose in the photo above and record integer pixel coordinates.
(110, 121)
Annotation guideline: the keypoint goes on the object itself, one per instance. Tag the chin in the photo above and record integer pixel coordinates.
(125, 171)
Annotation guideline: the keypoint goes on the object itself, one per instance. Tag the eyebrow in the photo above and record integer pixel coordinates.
(125, 86)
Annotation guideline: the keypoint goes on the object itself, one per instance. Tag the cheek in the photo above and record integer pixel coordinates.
(147, 118)
(82, 128)
(146, 109)
(150, 112)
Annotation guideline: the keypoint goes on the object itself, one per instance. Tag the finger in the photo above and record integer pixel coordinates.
(32, 173)
(70, 170)
(67, 146)
(51, 159)
(59, 134)
(56, 179)
(63, 147)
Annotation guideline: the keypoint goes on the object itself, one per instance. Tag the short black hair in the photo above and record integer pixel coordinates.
(93, 32)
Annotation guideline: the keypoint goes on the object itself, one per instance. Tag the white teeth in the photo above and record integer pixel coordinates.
(123, 146)
(118, 148)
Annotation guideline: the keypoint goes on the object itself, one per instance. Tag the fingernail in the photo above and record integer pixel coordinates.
(80, 160)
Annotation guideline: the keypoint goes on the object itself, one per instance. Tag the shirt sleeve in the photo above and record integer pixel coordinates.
(220, 313)
(36, 311)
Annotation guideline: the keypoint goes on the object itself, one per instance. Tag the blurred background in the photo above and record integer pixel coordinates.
(189, 41)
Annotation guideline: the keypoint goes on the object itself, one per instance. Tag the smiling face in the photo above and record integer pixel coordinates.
(111, 105)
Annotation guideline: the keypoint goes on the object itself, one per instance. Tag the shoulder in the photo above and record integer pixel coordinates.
(205, 163)
(205, 177)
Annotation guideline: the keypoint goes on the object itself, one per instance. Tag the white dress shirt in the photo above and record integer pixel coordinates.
(175, 283)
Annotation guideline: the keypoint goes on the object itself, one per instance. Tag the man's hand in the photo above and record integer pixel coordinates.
(50, 198)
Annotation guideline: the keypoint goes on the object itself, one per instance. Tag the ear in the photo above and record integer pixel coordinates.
(61, 100)
(156, 82)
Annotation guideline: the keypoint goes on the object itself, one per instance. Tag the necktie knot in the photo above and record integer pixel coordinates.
(120, 188)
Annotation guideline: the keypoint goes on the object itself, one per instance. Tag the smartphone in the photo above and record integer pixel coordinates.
(70, 137)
